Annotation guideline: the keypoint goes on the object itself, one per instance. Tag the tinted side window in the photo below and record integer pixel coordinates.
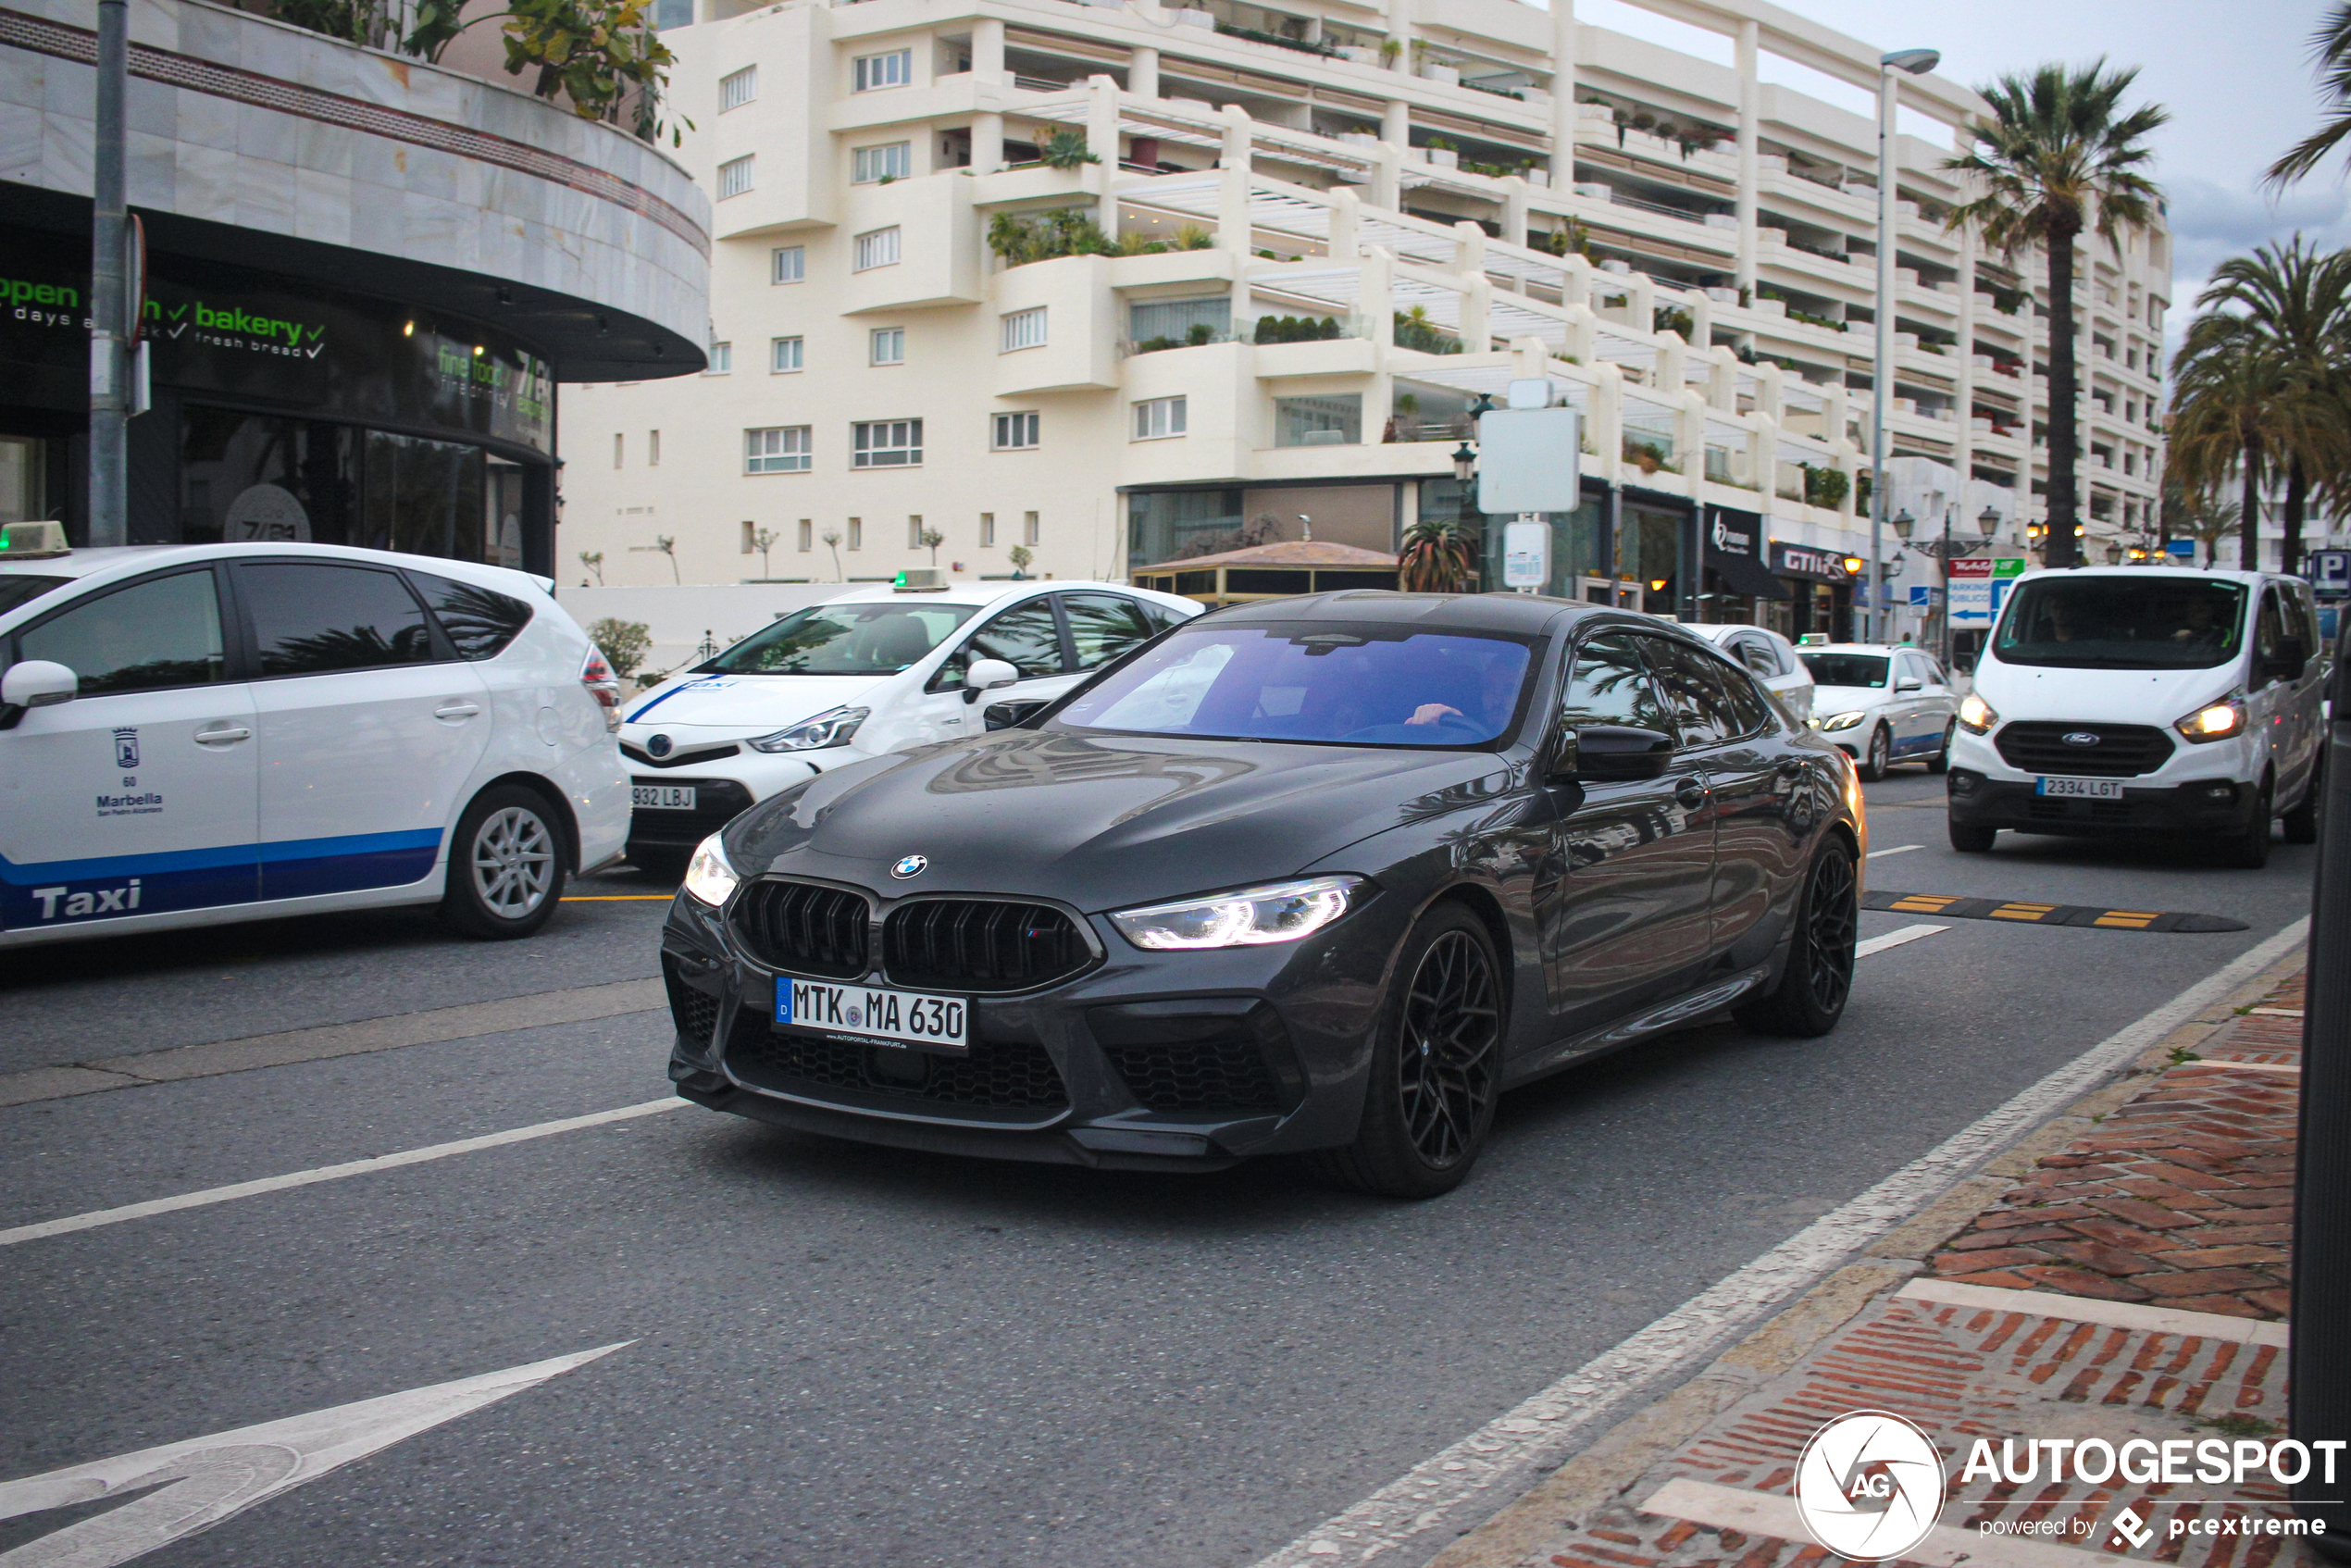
(315, 619)
(479, 622)
(2269, 627)
(1694, 684)
(162, 632)
(1104, 625)
(1751, 709)
(1609, 685)
(1023, 637)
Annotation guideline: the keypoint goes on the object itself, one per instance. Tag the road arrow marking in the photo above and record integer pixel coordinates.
(214, 1478)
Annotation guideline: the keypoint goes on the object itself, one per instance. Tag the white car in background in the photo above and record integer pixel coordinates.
(194, 734)
(876, 670)
(1769, 658)
(1883, 705)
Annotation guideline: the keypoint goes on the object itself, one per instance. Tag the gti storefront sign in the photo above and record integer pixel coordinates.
(1802, 560)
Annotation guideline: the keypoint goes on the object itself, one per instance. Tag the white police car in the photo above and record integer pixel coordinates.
(872, 671)
(201, 733)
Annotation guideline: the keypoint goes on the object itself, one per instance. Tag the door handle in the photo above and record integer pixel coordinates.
(223, 737)
(1690, 793)
(456, 710)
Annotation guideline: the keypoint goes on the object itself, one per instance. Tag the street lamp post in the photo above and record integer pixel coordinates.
(109, 366)
(1913, 62)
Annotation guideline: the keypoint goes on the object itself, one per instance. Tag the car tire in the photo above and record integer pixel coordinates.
(506, 866)
(2302, 823)
(1876, 757)
(1941, 761)
(1969, 839)
(662, 866)
(2250, 850)
(1818, 978)
(1436, 1063)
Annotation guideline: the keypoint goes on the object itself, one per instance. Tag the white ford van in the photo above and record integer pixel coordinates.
(2144, 700)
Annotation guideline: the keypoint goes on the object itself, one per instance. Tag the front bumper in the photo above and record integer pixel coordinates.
(2201, 806)
(1143, 1061)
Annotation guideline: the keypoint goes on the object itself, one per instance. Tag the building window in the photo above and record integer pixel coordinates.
(893, 160)
(857, 533)
(750, 539)
(1025, 329)
(722, 360)
(787, 264)
(876, 247)
(734, 176)
(890, 345)
(988, 530)
(738, 88)
(778, 450)
(1318, 421)
(1177, 323)
(653, 449)
(1015, 432)
(886, 444)
(893, 69)
(1028, 528)
(619, 448)
(1159, 417)
(783, 356)
(915, 532)
(807, 535)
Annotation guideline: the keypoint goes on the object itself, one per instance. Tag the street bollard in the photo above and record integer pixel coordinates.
(2319, 1361)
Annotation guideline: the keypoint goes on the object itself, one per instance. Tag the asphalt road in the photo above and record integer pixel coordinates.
(838, 1355)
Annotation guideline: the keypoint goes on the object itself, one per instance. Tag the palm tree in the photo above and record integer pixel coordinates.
(2331, 53)
(2225, 385)
(2297, 302)
(2061, 154)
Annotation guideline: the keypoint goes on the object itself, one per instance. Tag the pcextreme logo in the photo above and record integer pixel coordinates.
(1869, 1485)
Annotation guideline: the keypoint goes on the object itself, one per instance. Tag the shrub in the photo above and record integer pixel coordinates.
(623, 644)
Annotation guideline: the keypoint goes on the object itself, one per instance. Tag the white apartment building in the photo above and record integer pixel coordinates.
(1346, 221)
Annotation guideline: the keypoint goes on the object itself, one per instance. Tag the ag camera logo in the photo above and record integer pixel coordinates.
(1869, 1486)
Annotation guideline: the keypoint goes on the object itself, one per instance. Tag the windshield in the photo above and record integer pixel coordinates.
(1847, 669)
(17, 588)
(2122, 623)
(1363, 686)
(842, 640)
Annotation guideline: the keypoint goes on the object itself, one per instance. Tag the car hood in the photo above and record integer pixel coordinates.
(2158, 697)
(1844, 699)
(1100, 822)
(753, 704)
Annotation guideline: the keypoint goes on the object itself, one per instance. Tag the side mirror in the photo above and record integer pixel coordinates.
(1611, 753)
(35, 683)
(1908, 683)
(2287, 663)
(985, 674)
(1011, 715)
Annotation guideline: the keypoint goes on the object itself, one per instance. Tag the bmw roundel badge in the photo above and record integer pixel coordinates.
(659, 746)
(909, 865)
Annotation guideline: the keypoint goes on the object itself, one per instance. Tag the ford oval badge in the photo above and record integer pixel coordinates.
(2080, 736)
(909, 865)
(659, 746)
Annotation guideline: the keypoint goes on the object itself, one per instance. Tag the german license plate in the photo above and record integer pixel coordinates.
(662, 797)
(878, 1017)
(2080, 789)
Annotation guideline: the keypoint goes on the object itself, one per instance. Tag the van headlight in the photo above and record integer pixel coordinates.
(1845, 721)
(831, 727)
(1976, 715)
(1278, 912)
(709, 876)
(2214, 721)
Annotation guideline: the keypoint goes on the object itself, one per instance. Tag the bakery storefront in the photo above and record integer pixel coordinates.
(280, 410)
(1820, 601)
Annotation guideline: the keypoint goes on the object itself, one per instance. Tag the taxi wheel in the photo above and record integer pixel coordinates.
(505, 865)
(1876, 757)
(1818, 978)
(1941, 761)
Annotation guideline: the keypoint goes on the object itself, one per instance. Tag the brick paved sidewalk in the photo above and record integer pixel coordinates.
(2123, 1279)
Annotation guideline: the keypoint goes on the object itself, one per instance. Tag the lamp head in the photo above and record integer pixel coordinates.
(1917, 62)
(1465, 463)
(1904, 522)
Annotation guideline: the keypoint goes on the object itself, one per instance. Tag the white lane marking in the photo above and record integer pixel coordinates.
(1768, 1514)
(1896, 938)
(2109, 1314)
(199, 1199)
(1440, 1497)
(215, 1477)
(1898, 849)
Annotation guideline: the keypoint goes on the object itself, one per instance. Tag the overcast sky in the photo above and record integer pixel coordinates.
(2235, 76)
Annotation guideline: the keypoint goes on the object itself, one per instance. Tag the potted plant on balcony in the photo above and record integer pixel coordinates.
(1066, 150)
(1443, 153)
(1390, 49)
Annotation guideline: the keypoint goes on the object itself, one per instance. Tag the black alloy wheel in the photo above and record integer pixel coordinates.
(1941, 761)
(1877, 756)
(1435, 1064)
(1818, 980)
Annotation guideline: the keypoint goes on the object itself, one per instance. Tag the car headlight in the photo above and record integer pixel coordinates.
(1845, 721)
(2214, 721)
(1976, 715)
(709, 877)
(1278, 912)
(831, 727)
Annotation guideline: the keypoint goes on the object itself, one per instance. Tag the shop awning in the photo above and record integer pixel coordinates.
(1744, 574)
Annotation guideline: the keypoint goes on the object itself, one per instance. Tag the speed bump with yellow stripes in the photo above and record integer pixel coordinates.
(2025, 912)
